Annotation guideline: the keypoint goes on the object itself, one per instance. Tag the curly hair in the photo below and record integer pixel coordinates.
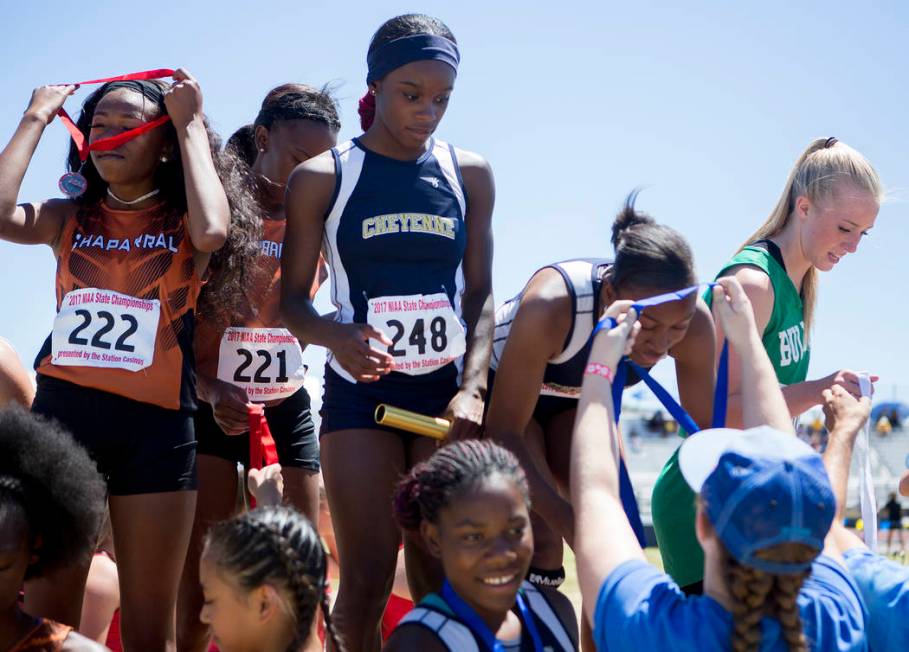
(231, 267)
(228, 265)
(757, 593)
(52, 480)
(431, 485)
(242, 143)
(277, 546)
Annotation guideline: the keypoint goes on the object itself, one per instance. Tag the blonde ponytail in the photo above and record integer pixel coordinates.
(815, 174)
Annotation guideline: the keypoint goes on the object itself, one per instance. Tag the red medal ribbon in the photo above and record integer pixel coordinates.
(107, 144)
(262, 450)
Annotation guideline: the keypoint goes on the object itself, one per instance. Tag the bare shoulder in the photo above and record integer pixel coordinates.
(75, 642)
(319, 166)
(413, 636)
(759, 290)
(752, 278)
(474, 168)
(312, 183)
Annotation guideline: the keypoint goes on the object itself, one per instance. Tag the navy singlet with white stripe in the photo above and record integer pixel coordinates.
(396, 231)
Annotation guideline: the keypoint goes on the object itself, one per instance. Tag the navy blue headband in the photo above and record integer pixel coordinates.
(407, 49)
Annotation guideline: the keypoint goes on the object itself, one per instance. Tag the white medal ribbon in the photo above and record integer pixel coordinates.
(866, 478)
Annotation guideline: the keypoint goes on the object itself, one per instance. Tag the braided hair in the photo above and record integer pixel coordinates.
(431, 485)
(757, 593)
(50, 482)
(647, 254)
(278, 546)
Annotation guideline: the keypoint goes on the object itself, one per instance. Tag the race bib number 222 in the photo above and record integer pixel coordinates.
(103, 328)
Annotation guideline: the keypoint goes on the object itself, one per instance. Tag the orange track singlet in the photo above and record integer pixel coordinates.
(261, 299)
(47, 636)
(143, 259)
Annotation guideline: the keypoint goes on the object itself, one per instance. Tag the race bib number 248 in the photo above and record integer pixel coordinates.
(424, 330)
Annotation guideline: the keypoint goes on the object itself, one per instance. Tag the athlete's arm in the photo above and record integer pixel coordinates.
(537, 334)
(845, 417)
(229, 403)
(762, 402)
(42, 222)
(694, 367)
(206, 203)
(309, 192)
(604, 538)
(799, 396)
(15, 385)
(478, 309)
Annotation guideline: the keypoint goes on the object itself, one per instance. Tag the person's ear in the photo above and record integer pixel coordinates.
(802, 207)
(430, 533)
(610, 293)
(267, 602)
(261, 137)
(703, 528)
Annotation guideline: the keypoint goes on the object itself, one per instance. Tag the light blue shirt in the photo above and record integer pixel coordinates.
(640, 608)
(885, 587)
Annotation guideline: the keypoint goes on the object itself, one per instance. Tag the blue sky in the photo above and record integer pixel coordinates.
(705, 105)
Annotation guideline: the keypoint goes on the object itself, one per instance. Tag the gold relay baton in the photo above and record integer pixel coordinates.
(435, 427)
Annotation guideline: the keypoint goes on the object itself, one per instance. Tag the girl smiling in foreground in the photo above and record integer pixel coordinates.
(470, 503)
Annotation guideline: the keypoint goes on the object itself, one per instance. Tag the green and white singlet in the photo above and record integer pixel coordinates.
(673, 502)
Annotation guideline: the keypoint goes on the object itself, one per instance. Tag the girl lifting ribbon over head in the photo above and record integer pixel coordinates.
(404, 221)
(117, 369)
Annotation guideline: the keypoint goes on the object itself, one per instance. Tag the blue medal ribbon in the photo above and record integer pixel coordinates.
(475, 624)
(626, 491)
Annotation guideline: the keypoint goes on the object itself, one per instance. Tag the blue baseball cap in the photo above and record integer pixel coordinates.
(762, 487)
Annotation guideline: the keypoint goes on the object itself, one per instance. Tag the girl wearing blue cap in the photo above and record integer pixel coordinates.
(773, 580)
(404, 220)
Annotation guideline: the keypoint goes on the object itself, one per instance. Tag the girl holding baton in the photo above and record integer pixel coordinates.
(404, 220)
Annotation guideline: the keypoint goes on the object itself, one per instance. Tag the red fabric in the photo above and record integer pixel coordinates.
(395, 610)
(367, 110)
(106, 144)
(262, 449)
(158, 73)
(113, 634)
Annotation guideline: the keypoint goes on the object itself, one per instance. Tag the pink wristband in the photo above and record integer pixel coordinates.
(597, 369)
